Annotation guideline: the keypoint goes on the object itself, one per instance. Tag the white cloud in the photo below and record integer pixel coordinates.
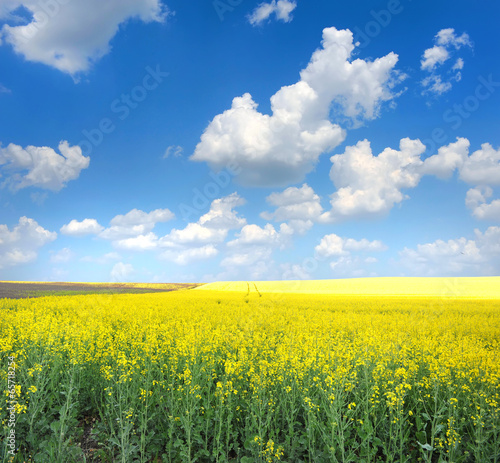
(294, 204)
(489, 243)
(254, 245)
(282, 9)
(221, 214)
(476, 200)
(482, 167)
(248, 257)
(45, 168)
(447, 37)
(85, 227)
(198, 240)
(138, 217)
(212, 227)
(70, 36)
(446, 44)
(194, 233)
(186, 256)
(459, 64)
(267, 236)
(447, 160)
(173, 150)
(121, 272)
(462, 256)
(334, 245)
(281, 148)
(368, 184)
(62, 256)
(434, 56)
(436, 85)
(135, 223)
(20, 245)
(146, 242)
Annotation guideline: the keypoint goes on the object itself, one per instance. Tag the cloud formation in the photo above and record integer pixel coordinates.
(369, 185)
(334, 245)
(372, 185)
(456, 257)
(134, 224)
(447, 43)
(85, 227)
(199, 240)
(41, 167)
(281, 148)
(21, 244)
(281, 9)
(71, 36)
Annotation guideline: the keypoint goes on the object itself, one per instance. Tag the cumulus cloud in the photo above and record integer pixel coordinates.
(282, 10)
(70, 36)
(372, 185)
(462, 256)
(297, 206)
(188, 255)
(254, 245)
(482, 167)
(145, 242)
(121, 272)
(21, 244)
(212, 227)
(281, 148)
(85, 227)
(134, 224)
(446, 45)
(198, 240)
(41, 167)
(448, 159)
(434, 56)
(334, 245)
(268, 236)
(477, 200)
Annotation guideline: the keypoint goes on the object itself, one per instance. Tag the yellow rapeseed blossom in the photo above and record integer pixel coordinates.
(241, 354)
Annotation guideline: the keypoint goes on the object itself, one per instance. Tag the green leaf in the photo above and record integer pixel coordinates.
(421, 436)
(439, 428)
(425, 446)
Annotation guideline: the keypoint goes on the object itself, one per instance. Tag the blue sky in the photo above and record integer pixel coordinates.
(227, 139)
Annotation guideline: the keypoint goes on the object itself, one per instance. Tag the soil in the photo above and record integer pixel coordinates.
(23, 290)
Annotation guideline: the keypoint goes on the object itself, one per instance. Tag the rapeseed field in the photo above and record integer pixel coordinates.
(250, 376)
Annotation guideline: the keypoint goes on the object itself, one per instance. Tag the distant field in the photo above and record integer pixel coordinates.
(21, 289)
(483, 287)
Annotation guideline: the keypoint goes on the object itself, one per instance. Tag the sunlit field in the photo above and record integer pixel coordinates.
(248, 372)
(475, 287)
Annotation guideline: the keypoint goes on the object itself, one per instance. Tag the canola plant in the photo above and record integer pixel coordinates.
(250, 376)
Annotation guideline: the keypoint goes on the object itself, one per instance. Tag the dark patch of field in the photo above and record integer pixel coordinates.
(23, 290)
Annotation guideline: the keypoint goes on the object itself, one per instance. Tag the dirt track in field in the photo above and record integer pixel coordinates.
(23, 290)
